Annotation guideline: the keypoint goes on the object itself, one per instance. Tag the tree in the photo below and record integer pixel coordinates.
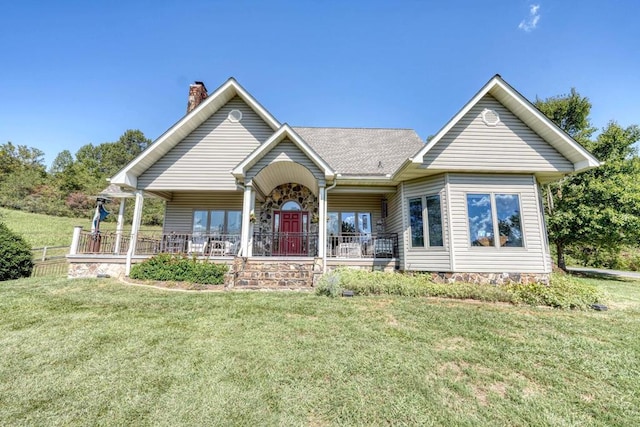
(599, 209)
(63, 160)
(571, 113)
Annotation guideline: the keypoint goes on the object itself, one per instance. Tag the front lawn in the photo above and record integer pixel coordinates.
(99, 352)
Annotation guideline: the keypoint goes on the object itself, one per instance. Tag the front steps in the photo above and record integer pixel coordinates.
(270, 273)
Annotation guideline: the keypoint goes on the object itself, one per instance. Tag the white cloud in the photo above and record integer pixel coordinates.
(531, 22)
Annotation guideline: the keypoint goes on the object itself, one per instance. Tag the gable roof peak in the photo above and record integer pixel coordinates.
(522, 108)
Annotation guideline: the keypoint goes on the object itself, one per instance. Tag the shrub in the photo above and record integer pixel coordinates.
(562, 292)
(16, 260)
(179, 268)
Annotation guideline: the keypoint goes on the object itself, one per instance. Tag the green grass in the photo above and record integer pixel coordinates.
(99, 352)
(43, 230)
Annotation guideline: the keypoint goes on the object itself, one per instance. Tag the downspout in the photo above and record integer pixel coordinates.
(326, 207)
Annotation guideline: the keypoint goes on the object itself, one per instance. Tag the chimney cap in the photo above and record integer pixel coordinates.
(197, 83)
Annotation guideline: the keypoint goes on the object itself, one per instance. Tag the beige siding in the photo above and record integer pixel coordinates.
(356, 203)
(204, 159)
(530, 259)
(512, 146)
(426, 259)
(179, 211)
(285, 151)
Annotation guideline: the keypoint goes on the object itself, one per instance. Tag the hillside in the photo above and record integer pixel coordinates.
(44, 230)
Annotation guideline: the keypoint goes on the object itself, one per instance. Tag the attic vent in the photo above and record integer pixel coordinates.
(490, 117)
(235, 115)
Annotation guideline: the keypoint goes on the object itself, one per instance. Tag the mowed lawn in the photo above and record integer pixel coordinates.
(44, 230)
(99, 352)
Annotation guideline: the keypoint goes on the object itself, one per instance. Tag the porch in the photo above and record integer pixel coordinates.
(212, 246)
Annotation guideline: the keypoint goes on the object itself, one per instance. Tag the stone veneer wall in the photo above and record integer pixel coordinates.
(278, 196)
(92, 269)
(490, 278)
(283, 193)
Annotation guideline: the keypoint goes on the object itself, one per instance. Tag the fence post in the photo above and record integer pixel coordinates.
(44, 253)
(73, 250)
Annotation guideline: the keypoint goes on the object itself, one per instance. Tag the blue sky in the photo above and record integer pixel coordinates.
(75, 72)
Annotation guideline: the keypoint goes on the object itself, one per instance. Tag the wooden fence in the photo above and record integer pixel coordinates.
(50, 261)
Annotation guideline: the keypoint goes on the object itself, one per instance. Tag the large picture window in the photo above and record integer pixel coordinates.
(490, 212)
(425, 214)
(217, 222)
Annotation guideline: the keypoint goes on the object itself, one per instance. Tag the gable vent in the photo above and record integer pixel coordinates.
(235, 115)
(490, 117)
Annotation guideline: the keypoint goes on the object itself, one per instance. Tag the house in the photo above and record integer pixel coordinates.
(282, 204)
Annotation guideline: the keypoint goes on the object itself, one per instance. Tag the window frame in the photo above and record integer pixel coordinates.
(425, 223)
(356, 219)
(494, 220)
(225, 225)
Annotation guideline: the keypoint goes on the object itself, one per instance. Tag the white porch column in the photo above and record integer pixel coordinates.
(135, 228)
(322, 221)
(119, 227)
(75, 240)
(247, 203)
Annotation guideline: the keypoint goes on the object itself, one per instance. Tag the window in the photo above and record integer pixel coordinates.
(509, 227)
(483, 221)
(348, 223)
(434, 219)
(217, 222)
(417, 227)
(291, 206)
(429, 219)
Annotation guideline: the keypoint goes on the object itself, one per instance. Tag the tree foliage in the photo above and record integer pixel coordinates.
(597, 210)
(71, 183)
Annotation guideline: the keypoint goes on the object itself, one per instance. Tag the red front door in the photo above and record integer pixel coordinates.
(290, 234)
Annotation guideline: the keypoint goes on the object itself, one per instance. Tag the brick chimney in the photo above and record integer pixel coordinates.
(197, 94)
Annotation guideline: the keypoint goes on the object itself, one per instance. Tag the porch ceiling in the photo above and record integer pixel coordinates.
(283, 173)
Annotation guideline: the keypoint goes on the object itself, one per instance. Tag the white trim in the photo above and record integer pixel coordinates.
(246, 213)
(282, 133)
(119, 226)
(128, 175)
(405, 249)
(452, 252)
(135, 229)
(542, 227)
(322, 226)
(498, 83)
(75, 240)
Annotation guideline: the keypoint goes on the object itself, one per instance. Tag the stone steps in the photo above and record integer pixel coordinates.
(261, 273)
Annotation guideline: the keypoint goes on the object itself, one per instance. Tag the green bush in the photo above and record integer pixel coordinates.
(562, 292)
(16, 260)
(179, 268)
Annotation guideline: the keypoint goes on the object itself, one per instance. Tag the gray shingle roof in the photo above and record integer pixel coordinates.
(357, 151)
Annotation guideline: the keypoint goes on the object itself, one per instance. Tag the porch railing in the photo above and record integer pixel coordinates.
(285, 244)
(349, 245)
(363, 245)
(152, 243)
